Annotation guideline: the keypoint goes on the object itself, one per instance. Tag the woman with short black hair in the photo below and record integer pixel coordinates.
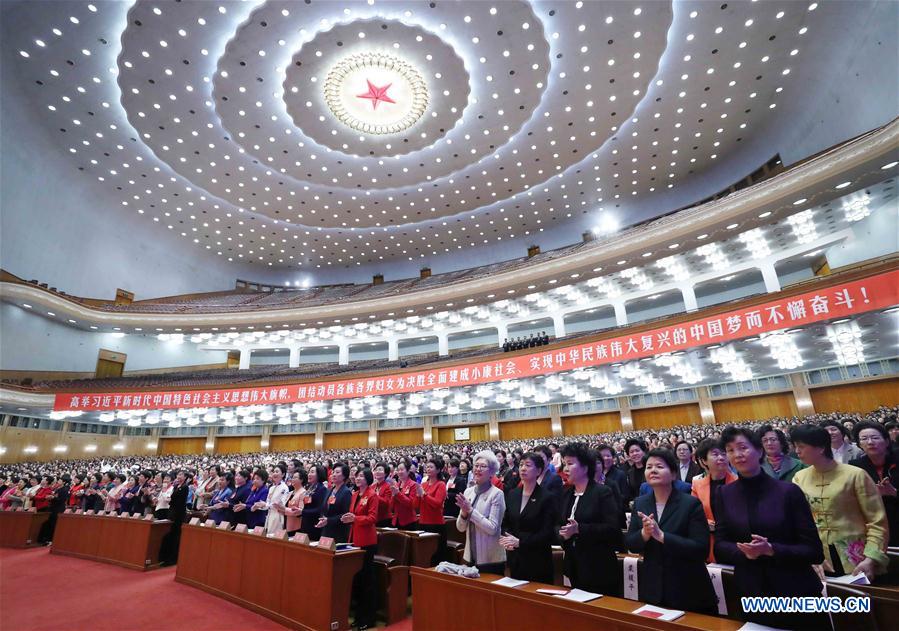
(528, 524)
(764, 528)
(846, 506)
(314, 502)
(337, 505)
(669, 529)
(361, 518)
(881, 463)
(589, 529)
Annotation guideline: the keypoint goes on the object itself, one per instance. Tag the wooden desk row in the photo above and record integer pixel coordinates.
(443, 601)
(126, 541)
(20, 529)
(295, 584)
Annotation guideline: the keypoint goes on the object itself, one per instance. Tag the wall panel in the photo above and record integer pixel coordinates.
(237, 444)
(531, 428)
(182, 445)
(856, 397)
(400, 437)
(346, 440)
(667, 416)
(591, 423)
(15, 439)
(760, 407)
(291, 442)
(444, 435)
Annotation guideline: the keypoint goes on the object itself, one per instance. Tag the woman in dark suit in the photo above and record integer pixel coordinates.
(589, 526)
(669, 529)
(456, 483)
(764, 528)
(336, 506)
(314, 502)
(528, 525)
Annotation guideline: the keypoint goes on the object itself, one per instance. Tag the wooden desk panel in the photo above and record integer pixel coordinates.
(453, 602)
(20, 529)
(131, 543)
(296, 585)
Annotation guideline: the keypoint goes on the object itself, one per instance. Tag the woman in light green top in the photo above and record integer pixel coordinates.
(847, 509)
(777, 463)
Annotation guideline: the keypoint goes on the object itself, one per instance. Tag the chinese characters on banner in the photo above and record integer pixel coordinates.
(847, 299)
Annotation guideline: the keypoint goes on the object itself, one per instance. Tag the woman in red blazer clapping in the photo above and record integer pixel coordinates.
(433, 495)
(363, 516)
(404, 504)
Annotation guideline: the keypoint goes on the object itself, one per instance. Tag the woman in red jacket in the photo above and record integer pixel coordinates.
(43, 495)
(362, 516)
(433, 493)
(404, 503)
(382, 489)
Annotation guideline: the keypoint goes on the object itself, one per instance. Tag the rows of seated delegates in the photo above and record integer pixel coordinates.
(531, 341)
(786, 502)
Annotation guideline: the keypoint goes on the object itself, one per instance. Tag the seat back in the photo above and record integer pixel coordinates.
(851, 621)
(395, 545)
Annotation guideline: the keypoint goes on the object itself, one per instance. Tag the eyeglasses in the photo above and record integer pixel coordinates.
(869, 439)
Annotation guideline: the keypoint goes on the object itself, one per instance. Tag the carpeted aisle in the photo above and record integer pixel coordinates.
(40, 591)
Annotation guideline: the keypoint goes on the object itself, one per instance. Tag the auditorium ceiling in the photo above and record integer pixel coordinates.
(310, 134)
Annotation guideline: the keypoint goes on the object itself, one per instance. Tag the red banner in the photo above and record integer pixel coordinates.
(848, 299)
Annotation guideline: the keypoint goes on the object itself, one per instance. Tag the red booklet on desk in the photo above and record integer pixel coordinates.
(658, 613)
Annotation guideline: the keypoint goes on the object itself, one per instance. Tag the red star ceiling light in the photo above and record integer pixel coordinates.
(366, 112)
(376, 94)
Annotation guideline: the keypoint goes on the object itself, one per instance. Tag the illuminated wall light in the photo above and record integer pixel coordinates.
(30, 449)
(803, 226)
(857, 209)
(756, 243)
(61, 449)
(847, 343)
(90, 448)
(783, 350)
(713, 256)
(638, 278)
(730, 362)
(674, 267)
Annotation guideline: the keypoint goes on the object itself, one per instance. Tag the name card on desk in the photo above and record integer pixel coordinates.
(148, 517)
(19, 508)
(68, 510)
(241, 528)
(280, 533)
(195, 521)
(123, 515)
(32, 510)
(327, 543)
(78, 511)
(90, 512)
(135, 515)
(258, 530)
(301, 537)
(224, 525)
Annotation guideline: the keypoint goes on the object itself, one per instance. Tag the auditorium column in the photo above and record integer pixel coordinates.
(502, 333)
(210, 439)
(492, 426)
(373, 433)
(393, 349)
(620, 313)
(801, 394)
(442, 344)
(559, 325)
(343, 354)
(624, 405)
(319, 435)
(428, 422)
(265, 440)
(154, 440)
(245, 358)
(706, 410)
(769, 275)
(555, 419)
(689, 295)
(294, 361)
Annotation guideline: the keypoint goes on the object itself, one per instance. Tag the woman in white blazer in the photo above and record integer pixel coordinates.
(277, 496)
(481, 510)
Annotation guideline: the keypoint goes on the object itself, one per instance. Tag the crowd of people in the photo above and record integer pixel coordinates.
(785, 501)
(521, 342)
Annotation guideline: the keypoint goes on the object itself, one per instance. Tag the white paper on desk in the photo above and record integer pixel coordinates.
(753, 626)
(580, 596)
(422, 533)
(658, 613)
(416, 532)
(508, 581)
(848, 579)
(388, 528)
(553, 592)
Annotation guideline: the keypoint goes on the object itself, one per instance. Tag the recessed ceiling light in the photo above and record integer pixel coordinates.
(842, 185)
